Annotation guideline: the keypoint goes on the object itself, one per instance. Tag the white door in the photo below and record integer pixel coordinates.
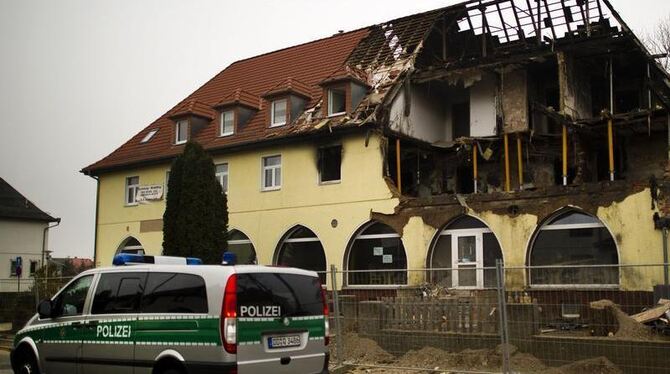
(467, 259)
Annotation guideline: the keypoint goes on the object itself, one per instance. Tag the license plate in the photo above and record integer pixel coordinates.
(284, 341)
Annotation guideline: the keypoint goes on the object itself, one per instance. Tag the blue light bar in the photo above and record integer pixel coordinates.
(193, 261)
(229, 258)
(134, 259)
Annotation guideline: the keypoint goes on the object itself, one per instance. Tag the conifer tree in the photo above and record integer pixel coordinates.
(195, 222)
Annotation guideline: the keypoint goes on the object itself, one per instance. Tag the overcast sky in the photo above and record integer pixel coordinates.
(80, 77)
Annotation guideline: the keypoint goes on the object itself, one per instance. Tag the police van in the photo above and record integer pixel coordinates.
(168, 315)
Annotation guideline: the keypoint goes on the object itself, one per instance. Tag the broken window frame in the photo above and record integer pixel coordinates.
(321, 153)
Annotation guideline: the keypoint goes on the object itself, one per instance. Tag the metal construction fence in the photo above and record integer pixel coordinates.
(19, 297)
(558, 319)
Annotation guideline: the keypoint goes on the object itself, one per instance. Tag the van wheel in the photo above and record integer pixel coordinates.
(26, 363)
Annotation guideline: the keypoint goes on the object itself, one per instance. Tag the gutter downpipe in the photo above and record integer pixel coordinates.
(97, 213)
(44, 238)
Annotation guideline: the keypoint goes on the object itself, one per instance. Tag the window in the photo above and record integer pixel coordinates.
(118, 293)
(296, 295)
(570, 242)
(33, 267)
(132, 185)
(278, 112)
(468, 249)
(222, 176)
(241, 246)
(337, 101)
(271, 173)
(149, 135)
(12, 267)
(377, 247)
(330, 161)
(181, 136)
(174, 293)
(132, 246)
(227, 123)
(301, 248)
(70, 302)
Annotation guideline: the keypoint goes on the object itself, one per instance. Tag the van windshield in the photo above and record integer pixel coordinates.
(273, 295)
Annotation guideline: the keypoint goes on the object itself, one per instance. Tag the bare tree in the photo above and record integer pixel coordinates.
(658, 41)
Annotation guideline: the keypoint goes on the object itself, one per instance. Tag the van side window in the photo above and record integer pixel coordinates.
(118, 293)
(71, 301)
(174, 293)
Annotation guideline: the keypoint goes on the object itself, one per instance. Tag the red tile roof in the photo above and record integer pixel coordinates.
(192, 107)
(290, 86)
(240, 97)
(306, 64)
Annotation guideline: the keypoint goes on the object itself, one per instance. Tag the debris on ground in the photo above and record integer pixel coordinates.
(628, 328)
(362, 351)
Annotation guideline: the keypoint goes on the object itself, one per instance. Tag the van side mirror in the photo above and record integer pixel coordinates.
(44, 309)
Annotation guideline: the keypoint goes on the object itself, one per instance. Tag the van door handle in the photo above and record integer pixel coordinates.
(92, 323)
(76, 325)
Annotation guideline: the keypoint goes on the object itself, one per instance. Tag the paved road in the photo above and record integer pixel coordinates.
(4, 362)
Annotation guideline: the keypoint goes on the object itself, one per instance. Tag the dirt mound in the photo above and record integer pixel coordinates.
(363, 350)
(629, 329)
(598, 365)
(437, 359)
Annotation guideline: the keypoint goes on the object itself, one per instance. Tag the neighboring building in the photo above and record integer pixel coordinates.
(23, 233)
(451, 138)
(70, 266)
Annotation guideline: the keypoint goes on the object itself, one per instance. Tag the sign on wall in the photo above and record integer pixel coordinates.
(149, 193)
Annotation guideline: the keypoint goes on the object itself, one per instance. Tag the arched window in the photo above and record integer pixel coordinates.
(571, 240)
(376, 247)
(465, 246)
(241, 246)
(131, 245)
(301, 248)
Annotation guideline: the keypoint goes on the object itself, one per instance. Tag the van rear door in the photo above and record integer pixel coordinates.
(280, 326)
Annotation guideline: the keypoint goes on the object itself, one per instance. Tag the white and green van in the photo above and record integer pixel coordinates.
(179, 319)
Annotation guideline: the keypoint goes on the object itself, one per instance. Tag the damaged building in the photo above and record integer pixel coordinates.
(535, 132)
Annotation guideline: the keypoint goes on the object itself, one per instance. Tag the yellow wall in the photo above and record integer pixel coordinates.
(629, 222)
(265, 216)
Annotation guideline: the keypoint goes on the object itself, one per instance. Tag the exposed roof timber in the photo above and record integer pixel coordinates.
(518, 20)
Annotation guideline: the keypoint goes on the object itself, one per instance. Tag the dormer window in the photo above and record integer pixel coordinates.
(181, 132)
(278, 115)
(227, 125)
(337, 101)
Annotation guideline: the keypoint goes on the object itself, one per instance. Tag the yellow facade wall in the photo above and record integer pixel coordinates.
(264, 216)
(629, 221)
(267, 216)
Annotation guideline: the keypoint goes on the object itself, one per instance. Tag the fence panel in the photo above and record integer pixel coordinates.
(558, 319)
(19, 299)
(581, 318)
(421, 325)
